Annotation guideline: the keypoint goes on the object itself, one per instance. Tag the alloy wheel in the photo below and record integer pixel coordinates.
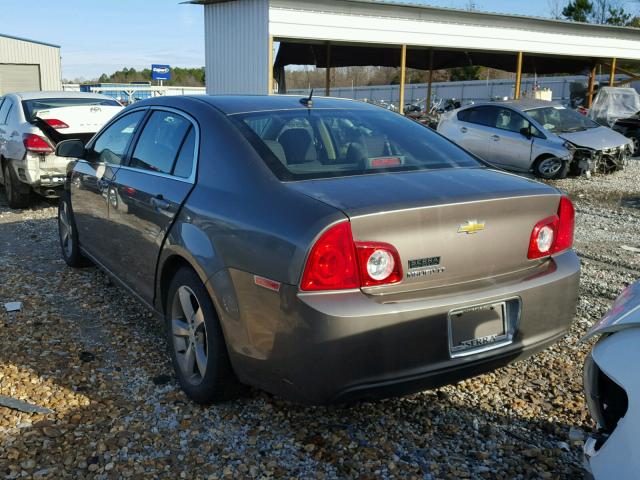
(550, 166)
(189, 334)
(65, 229)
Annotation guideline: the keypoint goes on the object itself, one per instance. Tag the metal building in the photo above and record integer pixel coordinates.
(240, 34)
(28, 65)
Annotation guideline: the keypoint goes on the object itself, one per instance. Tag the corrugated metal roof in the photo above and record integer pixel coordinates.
(12, 37)
(422, 6)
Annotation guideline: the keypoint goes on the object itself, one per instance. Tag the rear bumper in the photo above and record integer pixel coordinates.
(40, 171)
(337, 347)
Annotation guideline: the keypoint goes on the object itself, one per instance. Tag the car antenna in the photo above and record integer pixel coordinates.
(308, 102)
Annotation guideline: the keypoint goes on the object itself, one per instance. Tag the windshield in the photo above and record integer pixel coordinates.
(32, 107)
(558, 119)
(321, 143)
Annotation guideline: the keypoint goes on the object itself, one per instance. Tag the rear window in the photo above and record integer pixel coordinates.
(323, 143)
(32, 107)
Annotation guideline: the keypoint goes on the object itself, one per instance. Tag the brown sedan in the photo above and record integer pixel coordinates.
(324, 251)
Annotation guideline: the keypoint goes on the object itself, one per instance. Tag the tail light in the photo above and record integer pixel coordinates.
(553, 234)
(336, 262)
(55, 123)
(332, 263)
(35, 143)
(379, 264)
(567, 215)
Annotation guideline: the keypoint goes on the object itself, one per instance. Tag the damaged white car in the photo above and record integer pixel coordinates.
(612, 390)
(31, 125)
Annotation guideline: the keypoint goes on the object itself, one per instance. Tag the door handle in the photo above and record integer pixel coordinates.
(495, 138)
(464, 130)
(159, 203)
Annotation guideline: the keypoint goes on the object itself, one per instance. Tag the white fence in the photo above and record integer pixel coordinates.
(475, 90)
(131, 93)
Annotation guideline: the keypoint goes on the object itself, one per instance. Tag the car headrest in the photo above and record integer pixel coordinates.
(277, 150)
(296, 143)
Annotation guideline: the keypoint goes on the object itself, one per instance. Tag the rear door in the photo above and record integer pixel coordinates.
(148, 192)
(3, 130)
(475, 127)
(91, 182)
(10, 139)
(508, 146)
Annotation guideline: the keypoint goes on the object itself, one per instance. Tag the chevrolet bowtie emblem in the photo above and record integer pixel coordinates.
(471, 226)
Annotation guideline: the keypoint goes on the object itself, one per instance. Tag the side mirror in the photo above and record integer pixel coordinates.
(70, 148)
(526, 131)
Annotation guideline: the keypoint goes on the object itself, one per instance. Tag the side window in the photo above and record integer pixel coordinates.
(184, 162)
(159, 143)
(536, 133)
(112, 143)
(486, 116)
(4, 111)
(258, 125)
(463, 116)
(9, 112)
(510, 120)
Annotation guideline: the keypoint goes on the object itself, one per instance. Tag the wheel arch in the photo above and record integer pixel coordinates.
(543, 156)
(171, 263)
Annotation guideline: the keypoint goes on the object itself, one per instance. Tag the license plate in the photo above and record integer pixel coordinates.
(479, 328)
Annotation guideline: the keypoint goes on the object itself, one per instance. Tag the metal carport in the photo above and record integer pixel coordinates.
(239, 37)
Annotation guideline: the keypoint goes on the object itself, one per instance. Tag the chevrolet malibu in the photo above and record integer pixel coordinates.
(323, 250)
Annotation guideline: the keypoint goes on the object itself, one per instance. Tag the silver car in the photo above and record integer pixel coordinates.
(536, 136)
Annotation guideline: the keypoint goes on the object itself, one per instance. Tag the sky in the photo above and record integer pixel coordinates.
(104, 36)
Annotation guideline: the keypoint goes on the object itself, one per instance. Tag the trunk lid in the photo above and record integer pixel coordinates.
(449, 226)
(81, 118)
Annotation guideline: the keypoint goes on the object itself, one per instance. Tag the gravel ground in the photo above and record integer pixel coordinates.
(84, 349)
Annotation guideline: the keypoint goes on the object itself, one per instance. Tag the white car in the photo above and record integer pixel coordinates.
(612, 390)
(31, 125)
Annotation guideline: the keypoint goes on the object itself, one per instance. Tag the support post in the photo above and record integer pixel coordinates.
(403, 76)
(516, 95)
(612, 77)
(592, 86)
(270, 73)
(427, 105)
(327, 78)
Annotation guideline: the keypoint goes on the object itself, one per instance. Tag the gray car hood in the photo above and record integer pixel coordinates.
(596, 138)
(624, 313)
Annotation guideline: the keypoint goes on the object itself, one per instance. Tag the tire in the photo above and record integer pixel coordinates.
(13, 189)
(548, 167)
(196, 342)
(68, 235)
(564, 171)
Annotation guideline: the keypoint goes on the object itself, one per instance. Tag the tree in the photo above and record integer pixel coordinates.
(578, 11)
(555, 8)
(617, 16)
(605, 12)
(470, 72)
(634, 22)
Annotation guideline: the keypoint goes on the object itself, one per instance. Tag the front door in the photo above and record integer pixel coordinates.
(508, 146)
(91, 182)
(147, 194)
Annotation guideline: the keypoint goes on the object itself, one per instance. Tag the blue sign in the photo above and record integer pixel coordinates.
(160, 72)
